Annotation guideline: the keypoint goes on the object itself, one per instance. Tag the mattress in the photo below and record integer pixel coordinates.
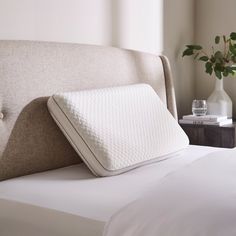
(71, 201)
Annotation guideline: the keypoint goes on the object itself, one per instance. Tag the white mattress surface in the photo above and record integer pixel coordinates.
(74, 193)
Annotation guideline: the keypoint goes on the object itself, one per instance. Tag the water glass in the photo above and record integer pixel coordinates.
(199, 107)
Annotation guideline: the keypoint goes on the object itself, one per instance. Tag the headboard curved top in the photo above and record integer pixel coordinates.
(30, 141)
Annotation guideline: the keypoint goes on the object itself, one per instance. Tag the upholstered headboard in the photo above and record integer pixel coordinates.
(30, 141)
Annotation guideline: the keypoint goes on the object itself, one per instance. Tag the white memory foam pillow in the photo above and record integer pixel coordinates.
(116, 129)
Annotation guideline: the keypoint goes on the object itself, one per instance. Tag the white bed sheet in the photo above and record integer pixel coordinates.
(196, 200)
(71, 201)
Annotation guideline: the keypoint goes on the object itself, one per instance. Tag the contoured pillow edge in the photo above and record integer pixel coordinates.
(117, 129)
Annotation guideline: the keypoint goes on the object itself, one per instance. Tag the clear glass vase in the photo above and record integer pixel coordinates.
(219, 102)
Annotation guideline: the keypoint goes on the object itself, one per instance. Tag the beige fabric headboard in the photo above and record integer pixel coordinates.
(30, 141)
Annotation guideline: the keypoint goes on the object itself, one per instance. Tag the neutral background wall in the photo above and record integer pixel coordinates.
(213, 17)
(135, 24)
(179, 31)
(155, 26)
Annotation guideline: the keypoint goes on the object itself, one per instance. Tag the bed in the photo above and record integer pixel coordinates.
(45, 188)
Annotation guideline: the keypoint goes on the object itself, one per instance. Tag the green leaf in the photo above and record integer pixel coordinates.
(218, 74)
(219, 55)
(194, 47)
(225, 73)
(204, 58)
(209, 68)
(208, 65)
(209, 71)
(213, 60)
(187, 52)
(233, 73)
(217, 39)
(231, 69)
(198, 47)
(228, 69)
(233, 35)
(219, 67)
(190, 46)
(232, 49)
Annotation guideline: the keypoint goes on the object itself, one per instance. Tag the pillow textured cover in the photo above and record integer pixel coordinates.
(117, 129)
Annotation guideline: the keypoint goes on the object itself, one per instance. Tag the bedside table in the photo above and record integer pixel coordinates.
(209, 135)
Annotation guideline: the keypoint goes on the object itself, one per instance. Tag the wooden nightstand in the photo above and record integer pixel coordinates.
(208, 135)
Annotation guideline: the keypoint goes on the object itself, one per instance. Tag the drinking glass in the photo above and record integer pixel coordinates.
(199, 107)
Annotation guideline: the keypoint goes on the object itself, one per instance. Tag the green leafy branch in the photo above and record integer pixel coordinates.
(221, 62)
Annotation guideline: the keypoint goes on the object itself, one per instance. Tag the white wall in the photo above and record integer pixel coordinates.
(85, 21)
(179, 31)
(138, 24)
(213, 17)
(55, 20)
(134, 24)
